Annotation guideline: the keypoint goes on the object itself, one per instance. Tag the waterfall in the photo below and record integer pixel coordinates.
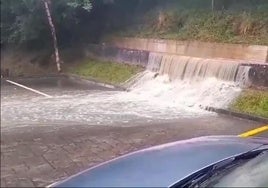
(190, 81)
(193, 68)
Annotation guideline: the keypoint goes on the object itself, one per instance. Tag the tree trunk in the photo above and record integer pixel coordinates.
(212, 5)
(54, 36)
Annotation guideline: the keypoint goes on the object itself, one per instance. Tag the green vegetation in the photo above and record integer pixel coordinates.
(104, 71)
(252, 102)
(228, 26)
(24, 22)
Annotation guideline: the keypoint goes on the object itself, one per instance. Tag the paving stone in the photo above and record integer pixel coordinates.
(48, 178)
(25, 182)
(39, 156)
(20, 170)
(7, 172)
(43, 169)
(11, 182)
(38, 149)
(3, 182)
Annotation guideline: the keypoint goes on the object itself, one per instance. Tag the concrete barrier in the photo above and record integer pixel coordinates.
(136, 57)
(249, 53)
(237, 114)
(258, 74)
(136, 51)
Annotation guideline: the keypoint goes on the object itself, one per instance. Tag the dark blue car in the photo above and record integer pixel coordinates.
(215, 161)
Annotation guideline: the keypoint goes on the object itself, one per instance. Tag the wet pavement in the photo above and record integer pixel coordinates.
(37, 150)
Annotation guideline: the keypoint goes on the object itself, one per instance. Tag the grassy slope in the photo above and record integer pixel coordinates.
(104, 71)
(244, 27)
(252, 102)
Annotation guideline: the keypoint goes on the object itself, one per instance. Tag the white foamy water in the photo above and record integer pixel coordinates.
(185, 93)
(148, 99)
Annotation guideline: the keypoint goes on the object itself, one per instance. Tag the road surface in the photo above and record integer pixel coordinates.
(46, 139)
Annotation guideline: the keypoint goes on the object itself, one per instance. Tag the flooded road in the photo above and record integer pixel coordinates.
(46, 139)
(72, 102)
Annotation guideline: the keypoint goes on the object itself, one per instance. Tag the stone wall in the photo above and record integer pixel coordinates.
(248, 53)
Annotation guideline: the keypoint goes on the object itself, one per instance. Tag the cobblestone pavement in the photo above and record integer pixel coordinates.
(38, 156)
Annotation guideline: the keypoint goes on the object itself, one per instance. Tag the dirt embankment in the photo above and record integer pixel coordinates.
(16, 63)
(25, 63)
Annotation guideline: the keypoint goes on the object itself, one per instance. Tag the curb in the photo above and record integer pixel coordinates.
(93, 81)
(254, 132)
(237, 114)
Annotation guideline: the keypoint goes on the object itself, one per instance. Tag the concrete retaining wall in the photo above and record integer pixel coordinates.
(249, 53)
(136, 51)
(137, 57)
(258, 75)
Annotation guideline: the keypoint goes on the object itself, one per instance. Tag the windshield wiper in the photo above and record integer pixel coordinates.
(196, 179)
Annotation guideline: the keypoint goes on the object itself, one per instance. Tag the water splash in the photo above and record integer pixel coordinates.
(185, 93)
(189, 81)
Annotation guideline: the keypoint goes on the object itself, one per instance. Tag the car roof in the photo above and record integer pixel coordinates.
(161, 166)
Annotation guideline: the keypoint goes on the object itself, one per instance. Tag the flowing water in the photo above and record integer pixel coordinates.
(172, 87)
(196, 69)
(191, 82)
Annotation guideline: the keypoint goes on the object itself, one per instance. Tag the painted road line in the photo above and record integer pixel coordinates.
(30, 89)
(254, 131)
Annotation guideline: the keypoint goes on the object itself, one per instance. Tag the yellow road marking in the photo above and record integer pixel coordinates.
(254, 131)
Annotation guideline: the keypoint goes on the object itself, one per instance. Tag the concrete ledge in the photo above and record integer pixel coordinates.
(93, 81)
(237, 114)
(257, 76)
(252, 53)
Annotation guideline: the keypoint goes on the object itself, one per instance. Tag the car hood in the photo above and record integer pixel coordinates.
(163, 165)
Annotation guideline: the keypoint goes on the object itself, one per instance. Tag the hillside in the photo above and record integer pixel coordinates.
(237, 22)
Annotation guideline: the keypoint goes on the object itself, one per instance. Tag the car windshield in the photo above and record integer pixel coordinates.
(252, 173)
